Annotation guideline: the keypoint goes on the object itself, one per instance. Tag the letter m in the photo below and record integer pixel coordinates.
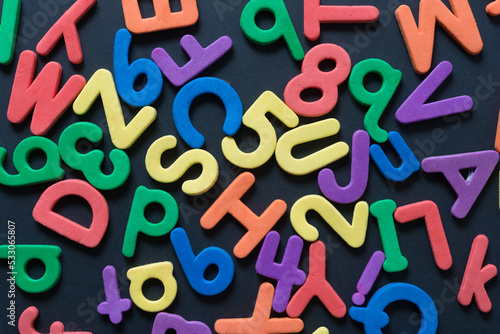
(458, 23)
(41, 94)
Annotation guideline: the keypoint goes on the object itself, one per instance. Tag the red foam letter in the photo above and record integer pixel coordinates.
(316, 285)
(314, 14)
(89, 237)
(41, 95)
(476, 276)
(65, 28)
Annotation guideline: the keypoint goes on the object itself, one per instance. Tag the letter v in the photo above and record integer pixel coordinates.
(103, 84)
(414, 109)
(41, 95)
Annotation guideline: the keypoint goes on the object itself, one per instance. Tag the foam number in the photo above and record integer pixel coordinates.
(261, 321)
(65, 28)
(162, 271)
(200, 58)
(430, 212)
(229, 202)
(163, 19)
(315, 13)
(308, 133)
(376, 101)
(26, 174)
(24, 254)
(409, 163)
(354, 235)
(90, 163)
(102, 84)
(137, 222)
(287, 272)
(459, 24)
(126, 74)
(255, 119)
(481, 162)
(44, 214)
(207, 178)
(198, 87)
(11, 11)
(27, 323)
(166, 321)
(195, 266)
(360, 164)
(41, 95)
(316, 285)
(383, 211)
(282, 28)
(374, 318)
(313, 78)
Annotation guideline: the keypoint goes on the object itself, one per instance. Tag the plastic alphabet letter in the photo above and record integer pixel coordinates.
(163, 271)
(126, 74)
(102, 84)
(374, 318)
(476, 276)
(286, 273)
(48, 254)
(315, 13)
(383, 211)
(414, 109)
(26, 174)
(41, 95)
(354, 235)
(458, 23)
(65, 28)
(304, 134)
(260, 322)
(200, 58)
(195, 88)
(360, 165)
(114, 306)
(27, 324)
(11, 11)
(89, 237)
(165, 321)
(483, 162)
(195, 266)
(377, 101)
(316, 285)
(229, 202)
(409, 163)
(137, 221)
(430, 212)
(207, 178)
(164, 19)
(283, 26)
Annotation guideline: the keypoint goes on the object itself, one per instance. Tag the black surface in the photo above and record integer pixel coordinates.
(252, 69)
